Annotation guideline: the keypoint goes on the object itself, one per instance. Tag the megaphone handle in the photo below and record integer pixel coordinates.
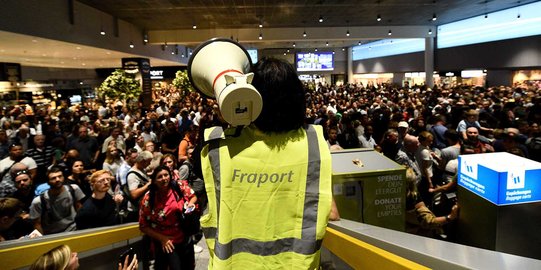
(238, 129)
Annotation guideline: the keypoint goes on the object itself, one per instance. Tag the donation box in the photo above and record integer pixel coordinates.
(500, 203)
(370, 188)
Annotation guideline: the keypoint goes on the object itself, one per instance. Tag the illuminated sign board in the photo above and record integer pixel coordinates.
(501, 178)
(156, 74)
(315, 61)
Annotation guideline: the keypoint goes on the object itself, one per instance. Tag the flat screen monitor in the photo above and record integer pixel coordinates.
(322, 61)
(253, 55)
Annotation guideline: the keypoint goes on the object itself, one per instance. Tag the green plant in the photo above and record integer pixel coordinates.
(182, 82)
(120, 85)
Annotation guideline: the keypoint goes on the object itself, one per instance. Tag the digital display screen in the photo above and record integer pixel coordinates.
(253, 55)
(315, 61)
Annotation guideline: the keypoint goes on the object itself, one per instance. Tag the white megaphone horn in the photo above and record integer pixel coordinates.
(219, 69)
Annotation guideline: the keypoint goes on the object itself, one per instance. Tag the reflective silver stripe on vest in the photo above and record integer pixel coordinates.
(308, 244)
(214, 156)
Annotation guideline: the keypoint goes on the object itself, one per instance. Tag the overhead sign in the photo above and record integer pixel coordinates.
(501, 178)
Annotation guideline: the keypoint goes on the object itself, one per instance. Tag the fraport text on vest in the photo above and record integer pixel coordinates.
(261, 178)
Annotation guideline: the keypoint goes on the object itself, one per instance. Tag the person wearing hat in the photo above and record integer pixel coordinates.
(402, 129)
(470, 120)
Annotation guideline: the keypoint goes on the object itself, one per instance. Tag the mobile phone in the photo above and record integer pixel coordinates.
(127, 253)
(189, 209)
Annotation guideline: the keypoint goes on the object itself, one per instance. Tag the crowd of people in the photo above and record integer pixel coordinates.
(98, 163)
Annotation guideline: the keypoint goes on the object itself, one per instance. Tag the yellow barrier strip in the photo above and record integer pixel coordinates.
(360, 255)
(17, 257)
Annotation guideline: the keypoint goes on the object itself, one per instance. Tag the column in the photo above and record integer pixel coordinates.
(429, 61)
(349, 57)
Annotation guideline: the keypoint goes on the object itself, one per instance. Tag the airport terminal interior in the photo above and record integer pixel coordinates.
(430, 111)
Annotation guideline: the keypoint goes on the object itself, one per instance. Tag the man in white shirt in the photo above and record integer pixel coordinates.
(16, 155)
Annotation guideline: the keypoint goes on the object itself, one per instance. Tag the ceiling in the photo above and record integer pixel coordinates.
(42, 52)
(173, 20)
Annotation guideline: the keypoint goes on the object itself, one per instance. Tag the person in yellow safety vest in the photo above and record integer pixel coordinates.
(269, 186)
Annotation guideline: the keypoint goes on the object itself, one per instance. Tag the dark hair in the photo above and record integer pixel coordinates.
(152, 189)
(282, 93)
(452, 135)
(54, 169)
(10, 207)
(15, 144)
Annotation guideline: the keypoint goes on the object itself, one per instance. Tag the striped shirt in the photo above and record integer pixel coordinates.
(42, 157)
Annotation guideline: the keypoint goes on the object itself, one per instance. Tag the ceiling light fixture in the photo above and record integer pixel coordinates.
(434, 17)
(194, 26)
(327, 43)
(145, 38)
(131, 45)
(486, 16)
(294, 44)
(315, 50)
(260, 36)
(359, 43)
(378, 18)
(430, 31)
(102, 32)
(304, 34)
(320, 18)
(390, 33)
(333, 52)
(347, 33)
(518, 16)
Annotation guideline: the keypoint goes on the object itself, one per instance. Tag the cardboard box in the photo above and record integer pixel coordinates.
(501, 178)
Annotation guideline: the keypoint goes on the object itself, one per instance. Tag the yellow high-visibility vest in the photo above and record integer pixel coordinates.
(269, 198)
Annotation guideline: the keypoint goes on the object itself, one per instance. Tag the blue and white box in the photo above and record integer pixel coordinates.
(501, 178)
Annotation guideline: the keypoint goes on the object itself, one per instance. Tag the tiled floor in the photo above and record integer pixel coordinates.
(202, 259)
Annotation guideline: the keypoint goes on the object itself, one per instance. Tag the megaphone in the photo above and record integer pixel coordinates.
(219, 69)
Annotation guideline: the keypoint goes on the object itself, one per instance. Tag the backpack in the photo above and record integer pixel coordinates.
(126, 190)
(44, 204)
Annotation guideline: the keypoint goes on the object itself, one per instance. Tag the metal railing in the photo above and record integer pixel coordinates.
(360, 246)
